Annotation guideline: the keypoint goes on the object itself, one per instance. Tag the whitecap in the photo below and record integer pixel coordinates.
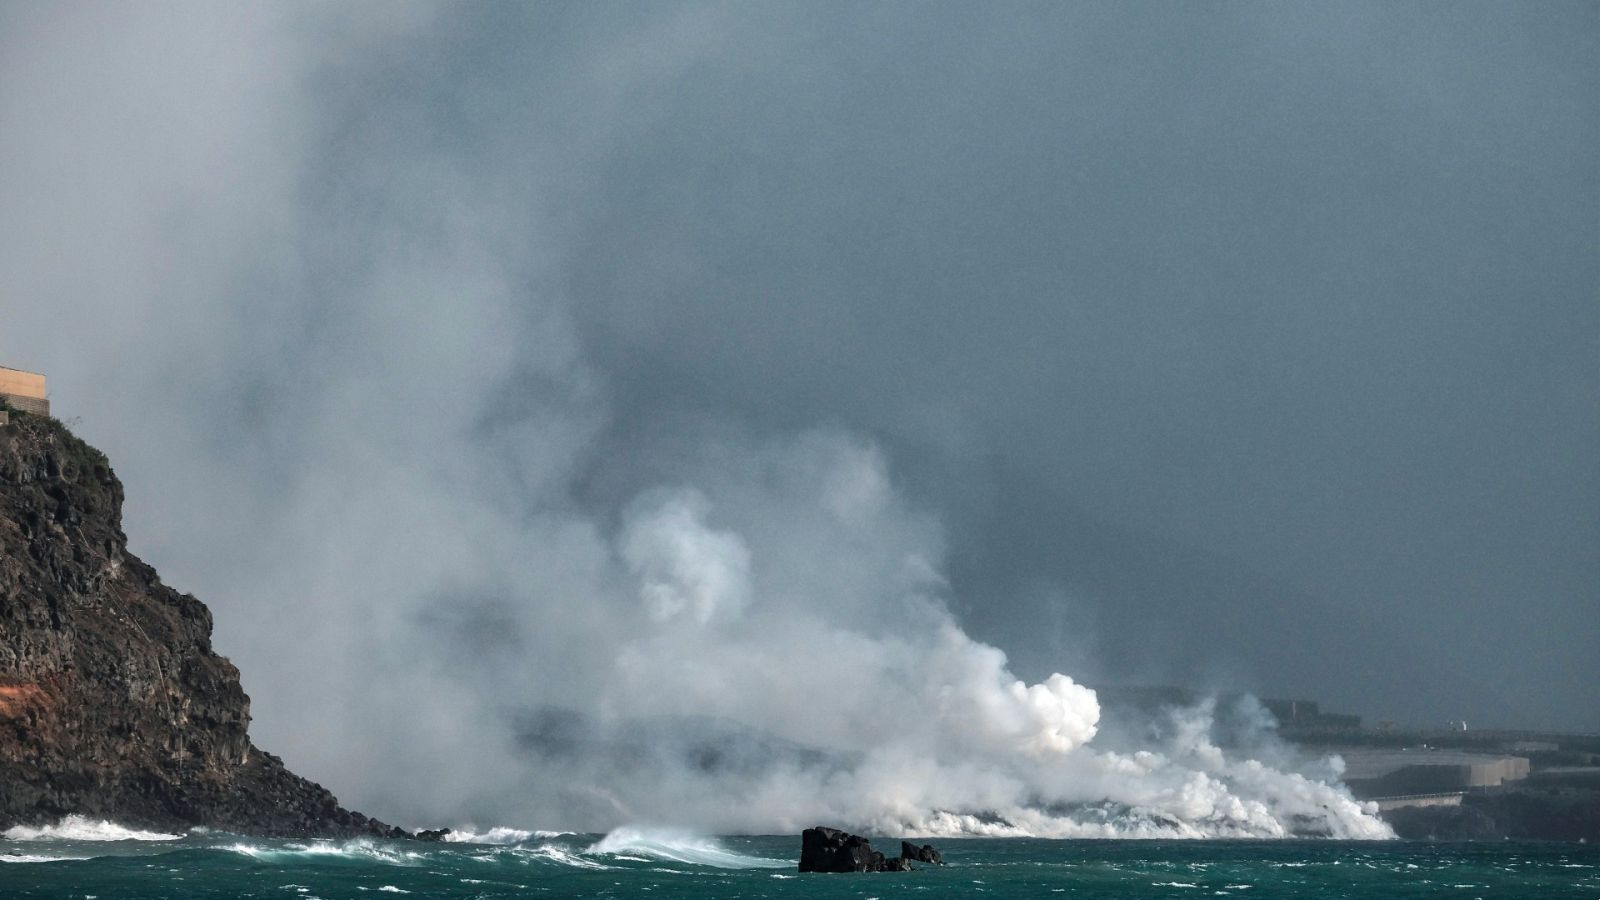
(357, 849)
(83, 828)
(496, 835)
(560, 855)
(679, 847)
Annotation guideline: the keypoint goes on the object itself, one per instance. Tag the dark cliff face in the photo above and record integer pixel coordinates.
(112, 702)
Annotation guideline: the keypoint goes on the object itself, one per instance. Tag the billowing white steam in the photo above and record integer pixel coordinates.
(356, 418)
(806, 606)
(686, 568)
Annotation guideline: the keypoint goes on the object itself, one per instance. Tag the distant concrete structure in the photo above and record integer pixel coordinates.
(1568, 777)
(1452, 798)
(25, 391)
(1373, 774)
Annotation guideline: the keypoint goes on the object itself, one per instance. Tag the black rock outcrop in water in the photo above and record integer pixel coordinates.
(112, 703)
(925, 853)
(832, 850)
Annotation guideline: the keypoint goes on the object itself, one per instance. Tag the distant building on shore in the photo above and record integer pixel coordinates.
(24, 391)
(1377, 773)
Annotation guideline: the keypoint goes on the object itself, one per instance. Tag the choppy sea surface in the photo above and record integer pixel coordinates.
(94, 861)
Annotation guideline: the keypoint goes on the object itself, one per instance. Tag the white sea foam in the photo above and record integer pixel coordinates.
(560, 855)
(496, 835)
(83, 828)
(35, 858)
(678, 846)
(357, 849)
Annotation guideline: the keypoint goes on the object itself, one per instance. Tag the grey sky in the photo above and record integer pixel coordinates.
(1265, 334)
(1247, 345)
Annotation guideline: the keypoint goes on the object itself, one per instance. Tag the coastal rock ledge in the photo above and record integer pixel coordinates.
(833, 850)
(112, 702)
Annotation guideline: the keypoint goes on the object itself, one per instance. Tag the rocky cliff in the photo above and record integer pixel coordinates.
(112, 702)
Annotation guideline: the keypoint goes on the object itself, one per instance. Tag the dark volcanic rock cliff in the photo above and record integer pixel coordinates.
(112, 702)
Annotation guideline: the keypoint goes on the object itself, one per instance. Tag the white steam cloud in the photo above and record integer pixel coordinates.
(686, 569)
(338, 373)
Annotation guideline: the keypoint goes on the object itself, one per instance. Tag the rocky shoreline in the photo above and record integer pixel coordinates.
(1518, 813)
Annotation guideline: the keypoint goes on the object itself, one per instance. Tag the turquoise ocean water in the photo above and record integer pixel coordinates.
(660, 864)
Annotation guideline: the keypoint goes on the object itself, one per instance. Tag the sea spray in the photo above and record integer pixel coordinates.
(675, 845)
(495, 835)
(84, 828)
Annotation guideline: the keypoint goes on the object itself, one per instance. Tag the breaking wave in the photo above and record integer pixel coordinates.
(83, 828)
(680, 847)
(560, 855)
(497, 835)
(510, 845)
(361, 850)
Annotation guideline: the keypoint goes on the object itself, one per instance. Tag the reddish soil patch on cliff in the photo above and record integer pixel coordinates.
(15, 699)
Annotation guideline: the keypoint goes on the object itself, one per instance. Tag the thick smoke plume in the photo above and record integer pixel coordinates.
(310, 298)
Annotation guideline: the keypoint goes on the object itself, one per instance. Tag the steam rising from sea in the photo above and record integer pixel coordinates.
(783, 654)
(463, 578)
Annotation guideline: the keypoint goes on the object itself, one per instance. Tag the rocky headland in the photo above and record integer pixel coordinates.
(113, 703)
